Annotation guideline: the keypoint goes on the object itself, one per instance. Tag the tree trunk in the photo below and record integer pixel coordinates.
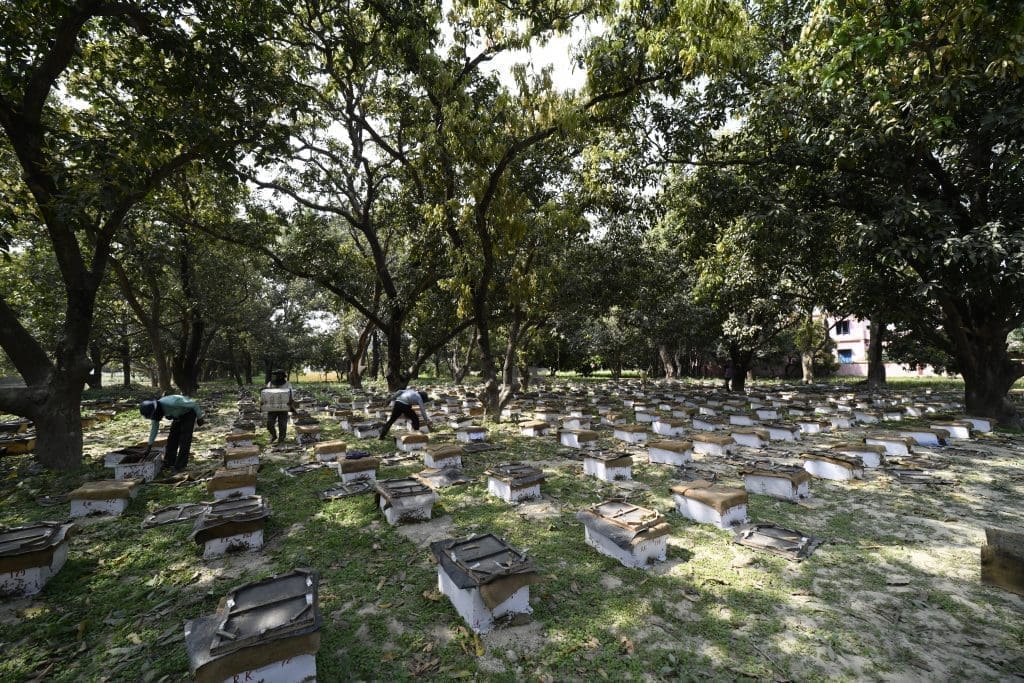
(357, 355)
(524, 376)
(807, 365)
(247, 366)
(876, 367)
(988, 375)
(986, 389)
(375, 355)
(741, 359)
(489, 393)
(126, 363)
(459, 372)
(187, 361)
(980, 348)
(58, 425)
(666, 361)
(394, 375)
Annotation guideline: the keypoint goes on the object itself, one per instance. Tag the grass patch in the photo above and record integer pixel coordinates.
(713, 611)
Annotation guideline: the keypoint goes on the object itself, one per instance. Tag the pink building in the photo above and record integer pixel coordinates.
(852, 336)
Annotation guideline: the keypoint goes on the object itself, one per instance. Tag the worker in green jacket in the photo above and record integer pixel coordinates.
(185, 414)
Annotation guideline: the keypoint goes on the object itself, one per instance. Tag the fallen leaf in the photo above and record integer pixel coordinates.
(432, 595)
(627, 645)
(380, 584)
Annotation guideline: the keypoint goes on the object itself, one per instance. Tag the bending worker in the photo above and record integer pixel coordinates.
(403, 408)
(185, 414)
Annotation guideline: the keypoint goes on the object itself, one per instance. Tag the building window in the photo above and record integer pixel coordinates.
(842, 328)
(845, 355)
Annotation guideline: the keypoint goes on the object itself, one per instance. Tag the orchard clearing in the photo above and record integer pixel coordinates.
(892, 593)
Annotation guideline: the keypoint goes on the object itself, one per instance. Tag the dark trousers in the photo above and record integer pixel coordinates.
(398, 411)
(179, 441)
(277, 423)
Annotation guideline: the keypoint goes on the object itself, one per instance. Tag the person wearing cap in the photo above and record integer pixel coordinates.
(276, 401)
(184, 414)
(403, 407)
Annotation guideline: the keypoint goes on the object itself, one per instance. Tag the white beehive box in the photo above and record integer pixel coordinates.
(784, 483)
(894, 444)
(471, 434)
(486, 580)
(663, 452)
(707, 503)
(925, 437)
(357, 469)
(329, 451)
(231, 525)
(106, 497)
(782, 432)
(608, 466)
(404, 500)
(636, 537)
(441, 457)
(407, 443)
(631, 434)
(535, 428)
(227, 482)
(834, 467)
(241, 456)
(582, 439)
(514, 481)
(713, 444)
(870, 456)
(750, 437)
(31, 555)
(267, 630)
(669, 426)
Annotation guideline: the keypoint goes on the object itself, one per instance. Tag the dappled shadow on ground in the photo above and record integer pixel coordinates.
(894, 591)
